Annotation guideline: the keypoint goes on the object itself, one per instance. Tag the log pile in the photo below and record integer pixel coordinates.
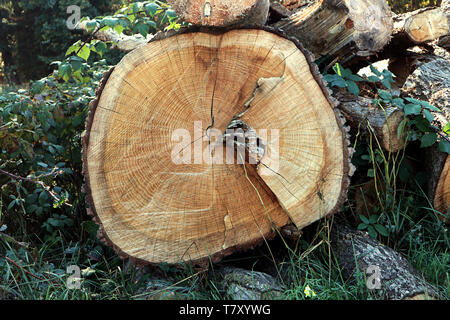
(171, 115)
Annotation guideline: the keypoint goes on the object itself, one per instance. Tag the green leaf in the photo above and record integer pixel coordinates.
(370, 173)
(100, 48)
(375, 70)
(353, 88)
(386, 83)
(91, 25)
(398, 102)
(354, 77)
(110, 22)
(11, 204)
(362, 226)
(428, 106)
(152, 8)
(386, 95)
(401, 127)
(428, 140)
(444, 146)
(372, 232)
(142, 28)
(84, 53)
(364, 219)
(446, 128)
(428, 115)
(412, 109)
(118, 28)
(373, 219)
(73, 48)
(381, 230)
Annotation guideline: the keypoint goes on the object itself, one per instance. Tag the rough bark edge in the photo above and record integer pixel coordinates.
(355, 251)
(348, 168)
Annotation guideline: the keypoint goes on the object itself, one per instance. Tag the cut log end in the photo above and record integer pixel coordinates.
(427, 26)
(222, 13)
(157, 199)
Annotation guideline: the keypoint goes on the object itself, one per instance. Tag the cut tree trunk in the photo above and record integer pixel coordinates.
(361, 112)
(340, 27)
(160, 196)
(420, 26)
(222, 13)
(387, 271)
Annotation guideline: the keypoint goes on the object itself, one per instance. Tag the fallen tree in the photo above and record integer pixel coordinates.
(347, 28)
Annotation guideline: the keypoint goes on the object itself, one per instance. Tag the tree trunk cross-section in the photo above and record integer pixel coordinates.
(222, 13)
(154, 209)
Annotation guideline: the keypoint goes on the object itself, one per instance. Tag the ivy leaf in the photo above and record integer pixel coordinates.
(410, 109)
(428, 140)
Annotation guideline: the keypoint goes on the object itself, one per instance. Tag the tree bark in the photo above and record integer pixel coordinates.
(360, 112)
(438, 187)
(155, 208)
(430, 82)
(386, 270)
(445, 40)
(222, 13)
(364, 26)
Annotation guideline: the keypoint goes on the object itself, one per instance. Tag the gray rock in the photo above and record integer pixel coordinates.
(240, 284)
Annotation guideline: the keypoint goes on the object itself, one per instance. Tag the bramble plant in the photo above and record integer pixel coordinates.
(138, 18)
(418, 121)
(372, 226)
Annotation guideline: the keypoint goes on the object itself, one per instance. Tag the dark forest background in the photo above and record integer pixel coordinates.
(33, 32)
